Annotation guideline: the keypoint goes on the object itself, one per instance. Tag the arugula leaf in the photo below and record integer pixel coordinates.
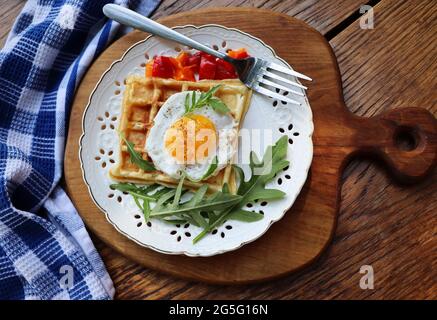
(209, 212)
(175, 221)
(135, 157)
(137, 202)
(205, 98)
(142, 192)
(198, 196)
(196, 215)
(145, 207)
(199, 220)
(138, 193)
(164, 199)
(221, 202)
(127, 187)
(196, 204)
(262, 172)
(245, 216)
(158, 194)
(178, 192)
(124, 187)
(272, 163)
(146, 210)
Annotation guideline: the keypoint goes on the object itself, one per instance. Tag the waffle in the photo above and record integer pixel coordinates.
(141, 101)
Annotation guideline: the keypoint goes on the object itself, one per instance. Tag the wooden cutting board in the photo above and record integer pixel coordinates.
(404, 139)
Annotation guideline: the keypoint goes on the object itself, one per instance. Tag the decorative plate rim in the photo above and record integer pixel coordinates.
(183, 252)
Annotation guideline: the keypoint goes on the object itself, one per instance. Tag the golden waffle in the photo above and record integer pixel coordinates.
(142, 99)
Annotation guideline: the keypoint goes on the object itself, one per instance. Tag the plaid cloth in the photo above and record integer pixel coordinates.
(45, 251)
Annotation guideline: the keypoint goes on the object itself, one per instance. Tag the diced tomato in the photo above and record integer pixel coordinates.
(238, 54)
(149, 69)
(185, 74)
(207, 69)
(183, 58)
(176, 64)
(208, 56)
(189, 73)
(194, 61)
(163, 67)
(225, 70)
(186, 65)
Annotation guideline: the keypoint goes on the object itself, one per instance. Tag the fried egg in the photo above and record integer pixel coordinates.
(199, 143)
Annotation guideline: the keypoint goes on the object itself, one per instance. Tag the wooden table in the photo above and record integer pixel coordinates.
(391, 227)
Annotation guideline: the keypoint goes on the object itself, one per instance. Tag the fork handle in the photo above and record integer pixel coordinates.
(135, 20)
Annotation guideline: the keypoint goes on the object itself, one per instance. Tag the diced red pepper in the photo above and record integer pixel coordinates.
(149, 69)
(208, 56)
(207, 69)
(225, 70)
(176, 64)
(163, 67)
(183, 58)
(185, 74)
(194, 61)
(238, 54)
(186, 65)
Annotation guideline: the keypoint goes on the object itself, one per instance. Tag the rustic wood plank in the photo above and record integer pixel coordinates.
(400, 219)
(391, 227)
(9, 11)
(391, 66)
(323, 15)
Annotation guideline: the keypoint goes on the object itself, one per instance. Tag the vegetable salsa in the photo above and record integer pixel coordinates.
(186, 65)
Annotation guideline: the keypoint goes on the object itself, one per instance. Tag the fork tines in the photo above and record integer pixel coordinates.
(267, 76)
(279, 68)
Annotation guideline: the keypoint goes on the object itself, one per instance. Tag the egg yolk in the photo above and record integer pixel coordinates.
(191, 139)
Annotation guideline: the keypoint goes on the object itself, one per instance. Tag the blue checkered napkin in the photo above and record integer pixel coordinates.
(45, 251)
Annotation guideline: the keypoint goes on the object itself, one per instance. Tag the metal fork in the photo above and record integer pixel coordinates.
(256, 73)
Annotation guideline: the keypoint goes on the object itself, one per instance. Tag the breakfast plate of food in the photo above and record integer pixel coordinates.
(181, 156)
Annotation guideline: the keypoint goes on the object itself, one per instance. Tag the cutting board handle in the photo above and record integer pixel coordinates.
(405, 139)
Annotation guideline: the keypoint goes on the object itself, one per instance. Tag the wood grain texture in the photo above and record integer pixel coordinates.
(9, 11)
(391, 227)
(323, 15)
(127, 274)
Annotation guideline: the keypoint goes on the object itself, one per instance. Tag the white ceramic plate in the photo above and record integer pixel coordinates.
(99, 148)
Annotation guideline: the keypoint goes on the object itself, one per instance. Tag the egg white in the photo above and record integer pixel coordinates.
(172, 110)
